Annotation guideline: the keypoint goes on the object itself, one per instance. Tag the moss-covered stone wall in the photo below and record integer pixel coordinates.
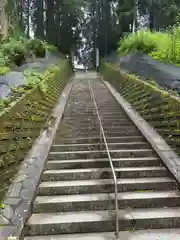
(158, 107)
(23, 120)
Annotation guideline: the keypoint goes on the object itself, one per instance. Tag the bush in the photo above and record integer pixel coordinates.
(15, 52)
(50, 48)
(4, 70)
(140, 41)
(37, 47)
(163, 46)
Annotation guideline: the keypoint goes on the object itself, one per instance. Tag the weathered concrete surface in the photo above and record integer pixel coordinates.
(77, 214)
(22, 191)
(163, 234)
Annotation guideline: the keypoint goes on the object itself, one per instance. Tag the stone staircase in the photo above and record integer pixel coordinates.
(75, 199)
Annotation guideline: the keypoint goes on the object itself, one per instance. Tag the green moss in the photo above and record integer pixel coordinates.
(23, 119)
(155, 104)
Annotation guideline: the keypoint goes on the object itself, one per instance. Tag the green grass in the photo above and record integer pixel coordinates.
(163, 46)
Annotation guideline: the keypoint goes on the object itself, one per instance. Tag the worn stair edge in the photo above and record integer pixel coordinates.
(98, 173)
(105, 185)
(104, 201)
(96, 138)
(87, 146)
(95, 221)
(150, 234)
(20, 195)
(102, 154)
(89, 163)
(166, 153)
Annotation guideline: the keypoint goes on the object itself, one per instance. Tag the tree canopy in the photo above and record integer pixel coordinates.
(86, 24)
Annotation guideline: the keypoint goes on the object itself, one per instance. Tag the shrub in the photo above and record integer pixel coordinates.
(50, 48)
(37, 47)
(15, 51)
(140, 41)
(4, 70)
(33, 78)
(163, 46)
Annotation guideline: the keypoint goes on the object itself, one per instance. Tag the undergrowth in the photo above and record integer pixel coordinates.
(14, 51)
(163, 46)
(33, 79)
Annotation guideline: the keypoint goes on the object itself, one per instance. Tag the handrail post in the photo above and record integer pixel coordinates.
(110, 160)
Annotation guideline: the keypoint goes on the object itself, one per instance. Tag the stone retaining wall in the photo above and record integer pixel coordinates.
(156, 106)
(22, 122)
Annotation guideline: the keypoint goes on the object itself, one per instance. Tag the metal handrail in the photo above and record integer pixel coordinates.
(110, 160)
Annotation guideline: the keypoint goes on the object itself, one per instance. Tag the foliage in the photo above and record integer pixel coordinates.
(37, 47)
(140, 41)
(4, 70)
(2, 205)
(164, 46)
(15, 50)
(49, 47)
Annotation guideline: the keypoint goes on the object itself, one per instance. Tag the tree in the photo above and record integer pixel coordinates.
(4, 23)
(39, 18)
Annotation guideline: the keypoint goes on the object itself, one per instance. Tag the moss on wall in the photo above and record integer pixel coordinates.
(22, 121)
(159, 107)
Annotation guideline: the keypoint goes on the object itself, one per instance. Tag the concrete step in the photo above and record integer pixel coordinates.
(104, 113)
(103, 173)
(100, 221)
(96, 138)
(98, 163)
(104, 201)
(86, 121)
(105, 185)
(92, 133)
(95, 128)
(123, 153)
(107, 125)
(86, 146)
(149, 234)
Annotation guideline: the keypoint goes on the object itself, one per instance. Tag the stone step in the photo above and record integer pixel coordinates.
(95, 128)
(100, 221)
(86, 146)
(93, 113)
(149, 234)
(98, 163)
(86, 118)
(84, 121)
(91, 133)
(123, 153)
(105, 185)
(96, 138)
(103, 173)
(104, 201)
(93, 123)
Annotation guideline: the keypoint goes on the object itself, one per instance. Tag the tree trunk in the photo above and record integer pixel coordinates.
(28, 20)
(57, 23)
(4, 22)
(50, 22)
(151, 17)
(39, 19)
